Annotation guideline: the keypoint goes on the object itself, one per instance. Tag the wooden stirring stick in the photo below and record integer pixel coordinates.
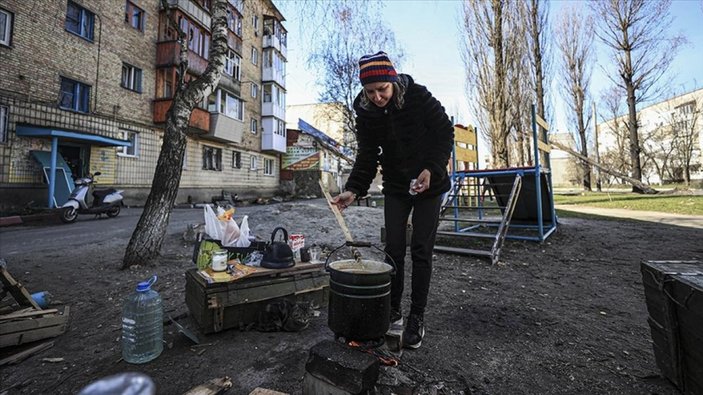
(340, 220)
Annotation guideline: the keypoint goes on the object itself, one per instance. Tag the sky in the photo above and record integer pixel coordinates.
(429, 32)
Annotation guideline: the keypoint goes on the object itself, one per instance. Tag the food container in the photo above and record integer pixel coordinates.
(219, 261)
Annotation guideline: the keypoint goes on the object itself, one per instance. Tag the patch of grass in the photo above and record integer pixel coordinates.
(667, 203)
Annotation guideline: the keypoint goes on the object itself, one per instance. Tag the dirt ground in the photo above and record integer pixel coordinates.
(565, 316)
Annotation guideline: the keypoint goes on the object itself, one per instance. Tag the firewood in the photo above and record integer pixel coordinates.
(213, 387)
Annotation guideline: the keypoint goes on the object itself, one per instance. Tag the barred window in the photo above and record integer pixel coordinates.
(212, 158)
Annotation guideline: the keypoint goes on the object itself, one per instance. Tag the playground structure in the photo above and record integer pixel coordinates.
(495, 204)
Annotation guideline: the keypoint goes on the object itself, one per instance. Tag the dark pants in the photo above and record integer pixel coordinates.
(425, 214)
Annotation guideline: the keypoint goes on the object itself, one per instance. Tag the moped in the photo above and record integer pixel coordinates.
(108, 201)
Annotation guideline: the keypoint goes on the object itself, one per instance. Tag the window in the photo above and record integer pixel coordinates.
(5, 27)
(80, 21)
(253, 162)
(687, 109)
(212, 158)
(236, 160)
(4, 117)
(198, 39)
(268, 167)
(234, 21)
(255, 23)
(226, 103)
(254, 126)
(134, 16)
(164, 83)
(133, 150)
(131, 78)
(233, 66)
(254, 55)
(74, 95)
(254, 90)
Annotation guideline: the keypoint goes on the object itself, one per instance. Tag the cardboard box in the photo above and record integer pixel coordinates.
(674, 296)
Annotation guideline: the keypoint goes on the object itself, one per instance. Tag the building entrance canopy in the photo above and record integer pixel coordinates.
(64, 135)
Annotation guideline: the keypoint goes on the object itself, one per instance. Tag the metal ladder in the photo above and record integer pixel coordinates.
(460, 199)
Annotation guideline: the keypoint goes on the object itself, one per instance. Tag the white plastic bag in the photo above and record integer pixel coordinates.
(227, 231)
(212, 224)
(243, 240)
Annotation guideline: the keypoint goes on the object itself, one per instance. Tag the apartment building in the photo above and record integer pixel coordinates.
(86, 85)
(670, 135)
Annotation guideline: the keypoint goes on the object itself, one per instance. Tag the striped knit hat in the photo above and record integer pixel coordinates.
(376, 68)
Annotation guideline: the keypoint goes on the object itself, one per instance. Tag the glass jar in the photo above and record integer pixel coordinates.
(219, 261)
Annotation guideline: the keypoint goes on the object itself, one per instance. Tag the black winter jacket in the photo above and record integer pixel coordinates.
(415, 137)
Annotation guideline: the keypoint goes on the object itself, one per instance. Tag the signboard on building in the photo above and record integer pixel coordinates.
(301, 158)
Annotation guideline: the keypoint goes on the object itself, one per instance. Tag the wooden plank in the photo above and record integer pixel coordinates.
(17, 289)
(215, 386)
(34, 323)
(22, 355)
(14, 339)
(541, 122)
(544, 146)
(25, 314)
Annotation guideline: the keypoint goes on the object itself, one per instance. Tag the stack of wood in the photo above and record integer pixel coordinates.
(23, 321)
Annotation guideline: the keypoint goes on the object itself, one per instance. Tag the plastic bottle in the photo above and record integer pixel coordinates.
(142, 324)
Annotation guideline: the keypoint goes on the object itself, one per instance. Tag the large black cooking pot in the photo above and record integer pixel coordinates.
(360, 297)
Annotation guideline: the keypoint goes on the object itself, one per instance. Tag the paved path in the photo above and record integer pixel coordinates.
(691, 221)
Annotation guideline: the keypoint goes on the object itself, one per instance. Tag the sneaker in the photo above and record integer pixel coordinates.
(396, 320)
(414, 331)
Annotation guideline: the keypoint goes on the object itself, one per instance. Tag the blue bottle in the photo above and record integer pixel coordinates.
(142, 324)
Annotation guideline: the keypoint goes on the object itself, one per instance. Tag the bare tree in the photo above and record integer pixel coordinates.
(574, 38)
(615, 156)
(334, 50)
(538, 25)
(356, 33)
(685, 124)
(145, 244)
(484, 54)
(637, 32)
(522, 94)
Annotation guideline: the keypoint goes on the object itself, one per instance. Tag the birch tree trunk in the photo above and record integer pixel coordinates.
(145, 244)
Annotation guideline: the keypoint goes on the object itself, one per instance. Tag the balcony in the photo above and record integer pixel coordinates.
(199, 118)
(225, 129)
(273, 137)
(269, 109)
(273, 74)
(272, 41)
(194, 10)
(273, 142)
(167, 54)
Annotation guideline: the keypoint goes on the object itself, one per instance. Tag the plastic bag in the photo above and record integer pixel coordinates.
(243, 240)
(212, 224)
(218, 228)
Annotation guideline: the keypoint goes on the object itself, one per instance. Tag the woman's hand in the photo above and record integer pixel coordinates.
(423, 181)
(343, 200)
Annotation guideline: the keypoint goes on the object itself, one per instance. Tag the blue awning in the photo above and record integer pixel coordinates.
(35, 131)
(326, 140)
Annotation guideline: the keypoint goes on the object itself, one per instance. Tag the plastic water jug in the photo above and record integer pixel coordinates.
(142, 324)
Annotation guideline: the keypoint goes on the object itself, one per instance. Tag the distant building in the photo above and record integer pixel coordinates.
(91, 81)
(312, 155)
(564, 166)
(670, 135)
(322, 116)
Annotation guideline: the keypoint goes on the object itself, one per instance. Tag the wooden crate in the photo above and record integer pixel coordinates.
(238, 304)
(674, 297)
